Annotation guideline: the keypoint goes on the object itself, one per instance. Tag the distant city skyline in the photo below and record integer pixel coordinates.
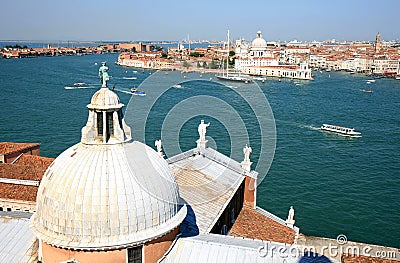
(284, 20)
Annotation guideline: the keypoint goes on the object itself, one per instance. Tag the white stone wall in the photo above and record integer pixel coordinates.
(17, 205)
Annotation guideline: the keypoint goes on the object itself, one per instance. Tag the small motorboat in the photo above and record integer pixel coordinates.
(137, 92)
(177, 86)
(368, 90)
(260, 78)
(80, 84)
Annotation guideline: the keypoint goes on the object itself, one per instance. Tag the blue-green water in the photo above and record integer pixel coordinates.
(337, 185)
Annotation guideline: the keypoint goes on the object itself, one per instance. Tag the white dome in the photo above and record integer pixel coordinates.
(105, 99)
(259, 42)
(97, 197)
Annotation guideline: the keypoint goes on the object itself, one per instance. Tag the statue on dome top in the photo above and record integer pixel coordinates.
(103, 74)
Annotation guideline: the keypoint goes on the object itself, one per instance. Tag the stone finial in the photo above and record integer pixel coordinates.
(158, 144)
(202, 129)
(290, 219)
(246, 164)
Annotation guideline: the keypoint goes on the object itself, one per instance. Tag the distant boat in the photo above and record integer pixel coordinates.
(343, 131)
(368, 90)
(378, 76)
(225, 75)
(260, 78)
(80, 84)
(129, 78)
(177, 86)
(234, 77)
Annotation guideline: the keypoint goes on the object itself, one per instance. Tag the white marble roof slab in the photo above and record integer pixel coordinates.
(219, 249)
(17, 242)
(207, 182)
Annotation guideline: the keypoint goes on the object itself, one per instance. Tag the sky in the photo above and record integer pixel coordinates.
(146, 20)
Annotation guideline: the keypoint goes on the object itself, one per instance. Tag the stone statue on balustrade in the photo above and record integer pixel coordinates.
(158, 144)
(202, 129)
(246, 163)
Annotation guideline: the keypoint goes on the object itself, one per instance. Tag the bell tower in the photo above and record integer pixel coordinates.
(378, 43)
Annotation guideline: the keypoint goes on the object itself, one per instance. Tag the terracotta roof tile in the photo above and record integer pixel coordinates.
(9, 147)
(38, 162)
(27, 167)
(18, 192)
(251, 224)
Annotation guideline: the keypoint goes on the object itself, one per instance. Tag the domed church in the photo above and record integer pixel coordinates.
(97, 201)
(259, 46)
(109, 198)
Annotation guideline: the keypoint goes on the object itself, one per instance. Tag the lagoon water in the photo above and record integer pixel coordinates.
(337, 185)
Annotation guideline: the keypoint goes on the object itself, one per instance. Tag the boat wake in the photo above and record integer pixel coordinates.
(310, 127)
(77, 87)
(123, 91)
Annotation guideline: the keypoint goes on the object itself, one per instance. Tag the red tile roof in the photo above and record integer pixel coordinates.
(251, 224)
(27, 167)
(18, 192)
(40, 163)
(10, 147)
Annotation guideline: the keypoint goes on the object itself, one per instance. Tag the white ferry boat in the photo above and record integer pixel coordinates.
(343, 131)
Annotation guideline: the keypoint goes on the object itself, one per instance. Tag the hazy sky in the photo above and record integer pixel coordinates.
(206, 19)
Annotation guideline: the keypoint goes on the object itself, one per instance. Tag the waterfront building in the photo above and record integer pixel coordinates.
(147, 60)
(265, 61)
(367, 58)
(241, 48)
(385, 66)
